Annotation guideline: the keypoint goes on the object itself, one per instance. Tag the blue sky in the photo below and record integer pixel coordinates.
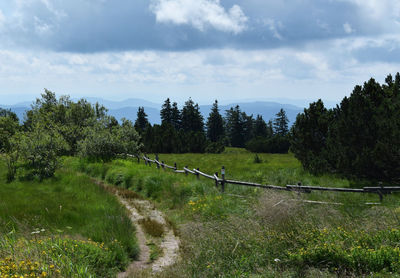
(205, 49)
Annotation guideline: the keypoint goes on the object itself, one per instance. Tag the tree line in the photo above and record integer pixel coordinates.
(56, 127)
(184, 130)
(360, 138)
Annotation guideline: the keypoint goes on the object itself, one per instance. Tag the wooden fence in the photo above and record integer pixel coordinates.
(380, 190)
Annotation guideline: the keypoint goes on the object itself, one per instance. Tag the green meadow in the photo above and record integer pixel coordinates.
(66, 226)
(251, 232)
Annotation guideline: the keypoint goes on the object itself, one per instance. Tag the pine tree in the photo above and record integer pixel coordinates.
(175, 116)
(215, 124)
(248, 131)
(192, 120)
(260, 127)
(235, 127)
(141, 121)
(166, 112)
(281, 123)
(309, 137)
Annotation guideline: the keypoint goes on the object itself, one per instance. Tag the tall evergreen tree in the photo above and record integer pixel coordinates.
(281, 123)
(175, 116)
(192, 120)
(260, 127)
(141, 121)
(166, 112)
(215, 124)
(248, 131)
(235, 127)
(309, 136)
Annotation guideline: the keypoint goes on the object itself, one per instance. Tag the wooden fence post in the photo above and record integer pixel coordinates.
(185, 170)
(158, 165)
(197, 174)
(175, 168)
(163, 165)
(145, 161)
(299, 185)
(380, 192)
(223, 178)
(216, 181)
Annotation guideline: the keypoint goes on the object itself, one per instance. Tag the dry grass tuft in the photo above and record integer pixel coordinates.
(152, 227)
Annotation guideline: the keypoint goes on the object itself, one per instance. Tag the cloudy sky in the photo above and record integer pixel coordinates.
(206, 49)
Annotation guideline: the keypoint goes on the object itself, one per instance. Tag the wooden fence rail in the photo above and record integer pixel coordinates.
(380, 190)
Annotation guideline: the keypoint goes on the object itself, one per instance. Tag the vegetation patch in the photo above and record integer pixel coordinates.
(65, 212)
(57, 257)
(152, 227)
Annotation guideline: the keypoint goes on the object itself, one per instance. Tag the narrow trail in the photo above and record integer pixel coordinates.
(144, 256)
(140, 212)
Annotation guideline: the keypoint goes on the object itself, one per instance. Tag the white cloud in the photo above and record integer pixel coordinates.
(2, 19)
(383, 12)
(200, 14)
(274, 28)
(347, 28)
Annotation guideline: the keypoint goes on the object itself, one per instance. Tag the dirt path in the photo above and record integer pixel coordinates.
(144, 257)
(142, 212)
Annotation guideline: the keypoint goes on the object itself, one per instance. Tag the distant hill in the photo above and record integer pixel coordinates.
(128, 109)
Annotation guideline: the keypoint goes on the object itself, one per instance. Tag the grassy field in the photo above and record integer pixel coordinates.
(66, 226)
(249, 232)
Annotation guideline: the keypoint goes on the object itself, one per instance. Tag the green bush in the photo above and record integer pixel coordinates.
(37, 152)
(274, 144)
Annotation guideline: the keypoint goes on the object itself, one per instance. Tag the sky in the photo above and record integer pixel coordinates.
(228, 50)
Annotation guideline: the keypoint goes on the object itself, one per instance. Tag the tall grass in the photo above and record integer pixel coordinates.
(68, 205)
(248, 232)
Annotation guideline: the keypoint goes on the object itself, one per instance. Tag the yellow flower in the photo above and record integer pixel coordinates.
(44, 274)
(52, 266)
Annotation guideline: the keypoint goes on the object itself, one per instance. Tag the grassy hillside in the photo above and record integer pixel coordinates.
(249, 232)
(66, 226)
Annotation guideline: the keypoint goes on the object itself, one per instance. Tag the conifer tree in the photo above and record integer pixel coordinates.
(260, 127)
(166, 112)
(175, 116)
(281, 123)
(215, 124)
(235, 127)
(192, 120)
(141, 121)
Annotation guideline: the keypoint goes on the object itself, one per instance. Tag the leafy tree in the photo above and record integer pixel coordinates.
(281, 123)
(9, 125)
(129, 138)
(39, 150)
(215, 124)
(8, 114)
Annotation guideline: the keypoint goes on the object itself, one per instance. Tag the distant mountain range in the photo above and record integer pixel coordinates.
(128, 109)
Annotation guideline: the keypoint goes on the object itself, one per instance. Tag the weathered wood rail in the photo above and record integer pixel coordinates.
(379, 190)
